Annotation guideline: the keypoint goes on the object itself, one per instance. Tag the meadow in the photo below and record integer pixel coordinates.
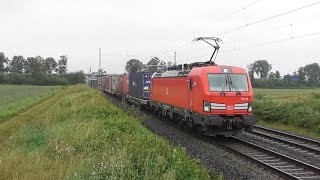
(78, 134)
(292, 110)
(17, 98)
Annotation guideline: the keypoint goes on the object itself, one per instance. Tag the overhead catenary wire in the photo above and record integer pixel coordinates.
(237, 11)
(248, 24)
(274, 42)
(187, 44)
(291, 24)
(266, 19)
(267, 43)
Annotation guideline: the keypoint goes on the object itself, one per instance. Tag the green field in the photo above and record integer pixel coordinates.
(293, 110)
(78, 134)
(16, 98)
(290, 94)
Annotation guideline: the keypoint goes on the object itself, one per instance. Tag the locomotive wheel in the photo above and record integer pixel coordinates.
(248, 128)
(198, 130)
(160, 113)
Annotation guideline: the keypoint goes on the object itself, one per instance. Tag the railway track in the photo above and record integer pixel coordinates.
(298, 143)
(283, 165)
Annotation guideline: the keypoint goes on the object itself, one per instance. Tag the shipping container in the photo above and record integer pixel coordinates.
(104, 83)
(93, 83)
(112, 82)
(122, 86)
(139, 85)
(108, 84)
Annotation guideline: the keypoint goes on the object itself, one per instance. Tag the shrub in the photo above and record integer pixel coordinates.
(301, 113)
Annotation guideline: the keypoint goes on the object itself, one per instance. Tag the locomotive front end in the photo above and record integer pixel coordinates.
(227, 101)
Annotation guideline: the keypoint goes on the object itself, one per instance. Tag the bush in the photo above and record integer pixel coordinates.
(302, 113)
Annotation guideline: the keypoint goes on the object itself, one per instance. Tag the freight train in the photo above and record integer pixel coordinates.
(209, 98)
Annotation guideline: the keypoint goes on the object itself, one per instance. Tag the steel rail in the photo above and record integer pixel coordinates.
(284, 141)
(295, 137)
(277, 162)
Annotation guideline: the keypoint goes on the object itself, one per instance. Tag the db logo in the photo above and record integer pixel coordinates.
(229, 107)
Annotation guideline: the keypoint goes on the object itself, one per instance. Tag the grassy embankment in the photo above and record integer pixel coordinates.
(293, 110)
(17, 98)
(77, 134)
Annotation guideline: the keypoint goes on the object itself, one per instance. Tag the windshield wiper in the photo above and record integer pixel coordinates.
(225, 85)
(235, 86)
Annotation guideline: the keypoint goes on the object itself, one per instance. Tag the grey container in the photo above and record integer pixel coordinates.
(139, 85)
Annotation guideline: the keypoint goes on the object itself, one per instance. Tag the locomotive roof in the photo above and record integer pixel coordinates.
(198, 70)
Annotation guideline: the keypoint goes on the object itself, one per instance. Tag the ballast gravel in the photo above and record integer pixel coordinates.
(213, 157)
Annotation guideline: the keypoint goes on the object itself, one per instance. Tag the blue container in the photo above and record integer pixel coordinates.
(93, 83)
(139, 85)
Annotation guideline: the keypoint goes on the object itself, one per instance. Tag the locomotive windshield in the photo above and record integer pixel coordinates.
(228, 82)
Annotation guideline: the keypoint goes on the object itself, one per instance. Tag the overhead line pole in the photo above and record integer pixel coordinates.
(175, 59)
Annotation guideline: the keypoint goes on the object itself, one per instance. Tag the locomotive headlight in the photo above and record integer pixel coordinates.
(206, 106)
(249, 107)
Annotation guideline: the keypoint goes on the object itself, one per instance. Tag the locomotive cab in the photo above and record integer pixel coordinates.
(222, 98)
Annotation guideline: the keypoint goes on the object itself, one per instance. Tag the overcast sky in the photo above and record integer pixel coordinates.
(141, 29)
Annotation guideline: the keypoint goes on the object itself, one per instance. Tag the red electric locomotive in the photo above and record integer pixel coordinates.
(215, 100)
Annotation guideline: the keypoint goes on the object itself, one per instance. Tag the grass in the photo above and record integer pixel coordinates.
(17, 98)
(286, 94)
(293, 110)
(77, 134)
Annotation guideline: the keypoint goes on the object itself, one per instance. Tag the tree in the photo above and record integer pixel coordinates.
(261, 68)
(34, 65)
(272, 75)
(62, 65)
(301, 75)
(250, 69)
(16, 65)
(312, 71)
(3, 63)
(134, 65)
(50, 65)
(162, 66)
(277, 75)
(153, 64)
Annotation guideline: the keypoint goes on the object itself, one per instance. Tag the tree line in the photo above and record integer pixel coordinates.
(37, 70)
(306, 76)
(153, 65)
(260, 73)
